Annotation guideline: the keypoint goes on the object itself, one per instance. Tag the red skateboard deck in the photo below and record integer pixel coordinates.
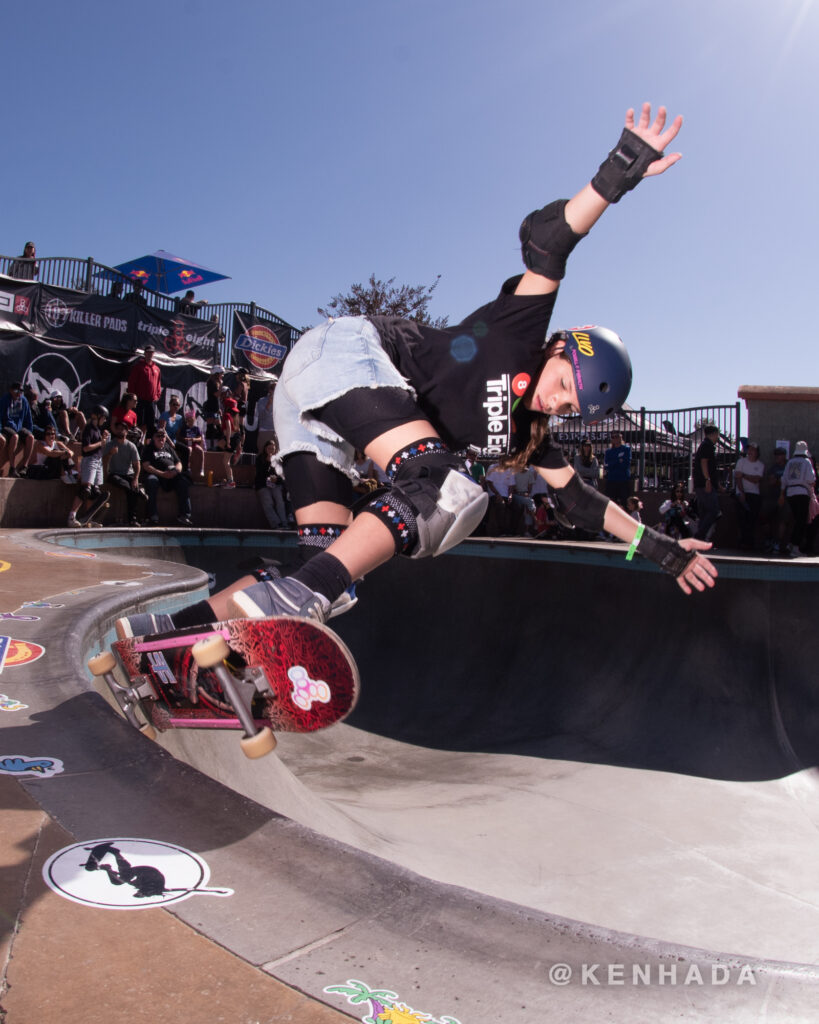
(286, 674)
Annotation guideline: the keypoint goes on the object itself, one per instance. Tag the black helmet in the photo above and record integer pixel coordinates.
(100, 411)
(601, 368)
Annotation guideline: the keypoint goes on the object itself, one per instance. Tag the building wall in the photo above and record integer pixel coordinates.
(782, 413)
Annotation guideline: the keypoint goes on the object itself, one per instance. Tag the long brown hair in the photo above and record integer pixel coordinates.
(540, 432)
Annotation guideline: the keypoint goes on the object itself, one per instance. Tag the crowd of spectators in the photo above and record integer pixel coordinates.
(148, 451)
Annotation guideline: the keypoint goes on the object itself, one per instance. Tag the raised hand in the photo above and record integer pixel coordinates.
(656, 135)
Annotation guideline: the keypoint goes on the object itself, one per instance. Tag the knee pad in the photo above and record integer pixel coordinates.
(448, 505)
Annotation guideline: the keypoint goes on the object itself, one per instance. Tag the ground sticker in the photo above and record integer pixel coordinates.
(128, 874)
(33, 767)
(384, 1005)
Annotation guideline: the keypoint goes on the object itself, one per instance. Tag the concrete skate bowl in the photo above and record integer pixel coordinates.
(568, 652)
(549, 725)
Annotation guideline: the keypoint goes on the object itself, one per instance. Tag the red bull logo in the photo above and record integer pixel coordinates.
(189, 277)
(139, 275)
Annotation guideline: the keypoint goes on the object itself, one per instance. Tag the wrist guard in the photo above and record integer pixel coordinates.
(624, 167)
(546, 241)
(665, 552)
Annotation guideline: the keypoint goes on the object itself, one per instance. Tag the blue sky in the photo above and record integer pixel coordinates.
(300, 147)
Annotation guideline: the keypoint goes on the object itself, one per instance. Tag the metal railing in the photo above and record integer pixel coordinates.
(86, 275)
(663, 442)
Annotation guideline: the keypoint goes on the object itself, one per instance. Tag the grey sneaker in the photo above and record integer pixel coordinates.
(142, 625)
(286, 596)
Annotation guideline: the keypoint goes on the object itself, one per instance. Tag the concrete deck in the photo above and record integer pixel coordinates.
(456, 878)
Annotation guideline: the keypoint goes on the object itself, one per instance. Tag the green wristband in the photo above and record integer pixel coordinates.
(637, 537)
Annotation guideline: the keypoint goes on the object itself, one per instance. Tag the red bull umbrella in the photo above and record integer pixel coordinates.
(163, 272)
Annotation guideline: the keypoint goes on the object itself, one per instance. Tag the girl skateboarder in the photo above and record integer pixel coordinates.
(414, 398)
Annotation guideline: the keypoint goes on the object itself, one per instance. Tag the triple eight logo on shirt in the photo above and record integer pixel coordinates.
(501, 395)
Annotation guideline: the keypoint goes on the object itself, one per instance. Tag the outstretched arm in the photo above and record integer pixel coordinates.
(583, 211)
(586, 507)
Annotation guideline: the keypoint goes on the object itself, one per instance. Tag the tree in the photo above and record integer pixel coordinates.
(385, 298)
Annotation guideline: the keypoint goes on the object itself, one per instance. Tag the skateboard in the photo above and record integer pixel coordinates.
(100, 503)
(281, 674)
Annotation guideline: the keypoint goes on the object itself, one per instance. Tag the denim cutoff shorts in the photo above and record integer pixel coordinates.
(326, 362)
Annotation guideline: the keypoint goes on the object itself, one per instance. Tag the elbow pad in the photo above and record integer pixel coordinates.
(624, 167)
(582, 505)
(546, 241)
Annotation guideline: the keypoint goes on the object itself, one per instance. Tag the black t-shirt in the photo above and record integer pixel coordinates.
(91, 434)
(163, 458)
(470, 378)
(707, 450)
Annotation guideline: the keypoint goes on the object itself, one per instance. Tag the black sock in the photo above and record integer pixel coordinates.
(325, 575)
(199, 614)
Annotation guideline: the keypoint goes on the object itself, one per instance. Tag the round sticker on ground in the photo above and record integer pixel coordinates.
(4, 565)
(18, 652)
(128, 874)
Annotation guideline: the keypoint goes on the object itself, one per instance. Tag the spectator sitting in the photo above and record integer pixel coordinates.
(123, 469)
(193, 442)
(16, 424)
(52, 459)
(162, 468)
(187, 306)
(125, 413)
(26, 267)
(369, 475)
(135, 295)
(269, 486)
(145, 381)
(634, 507)
(546, 527)
(172, 419)
(116, 290)
(617, 468)
(94, 438)
(44, 418)
(748, 475)
(70, 421)
(675, 511)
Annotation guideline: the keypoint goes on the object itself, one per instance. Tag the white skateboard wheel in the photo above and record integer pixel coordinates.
(210, 651)
(102, 663)
(257, 746)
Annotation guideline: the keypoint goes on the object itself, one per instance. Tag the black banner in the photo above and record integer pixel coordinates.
(259, 344)
(86, 376)
(66, 315)
(18, 302)
(103, 321)
(184, 337)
